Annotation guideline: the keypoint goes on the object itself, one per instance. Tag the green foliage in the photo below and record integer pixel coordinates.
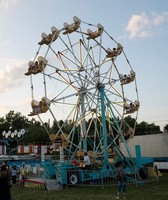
(35, 131)
(144, 128)
(165, 129)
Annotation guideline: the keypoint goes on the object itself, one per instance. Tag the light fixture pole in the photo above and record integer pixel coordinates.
(12, 136)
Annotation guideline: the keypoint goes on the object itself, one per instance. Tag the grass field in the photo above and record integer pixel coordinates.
(147, 191)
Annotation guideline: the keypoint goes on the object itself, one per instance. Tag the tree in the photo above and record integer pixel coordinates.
(165, 129)
(13, 121)
(144, 128)
(37, 133)
(130, 121)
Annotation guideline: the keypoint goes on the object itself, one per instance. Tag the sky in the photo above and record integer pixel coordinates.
(140, 26)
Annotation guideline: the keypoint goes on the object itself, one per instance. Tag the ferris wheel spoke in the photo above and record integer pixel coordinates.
(69, 49)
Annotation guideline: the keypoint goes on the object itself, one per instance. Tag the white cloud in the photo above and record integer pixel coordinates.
(159, 19)
(144, 34)
(11, 76)
(145, 26)
(137, 24)
(5, 4)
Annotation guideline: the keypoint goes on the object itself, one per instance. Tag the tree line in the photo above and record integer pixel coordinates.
(36, 133)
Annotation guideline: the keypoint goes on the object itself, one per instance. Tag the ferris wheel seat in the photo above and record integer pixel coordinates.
(66, 25)
(40, 107)
(38, 70)
(109, 50)
(137, 105)
(90, 32)
(36, 113)
(44, 35)
(45, 104)
(111, 53)
(121, 76)
(95, 34)
(35, 72)
(46, 100)
(70, 28)
(129, 112)
(92, 35)
(132, 75)
(54, 29)
(119, 46)
(76, 19)
(132, 107)
(28, 73)
(44, 109)
(46, 39)
(32, 114)
(30, 63)
(125, 79)
(115, 52)
(99, 26)
(37, 67)
(34, 103)
(41, 59)
(31, 66)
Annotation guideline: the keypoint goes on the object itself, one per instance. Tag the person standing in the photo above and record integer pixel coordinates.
(14, 174)
(121, 179)
(4, 184)
(87, 161)
(156, 173)
(22, 177)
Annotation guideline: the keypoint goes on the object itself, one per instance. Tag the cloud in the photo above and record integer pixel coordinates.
(5, 4)
(160, 19)
(4, 109)
(137, 24)
(146, 25)
(12, 76)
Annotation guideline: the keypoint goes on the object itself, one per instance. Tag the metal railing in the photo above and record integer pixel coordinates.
(103, 179)
(86, 178)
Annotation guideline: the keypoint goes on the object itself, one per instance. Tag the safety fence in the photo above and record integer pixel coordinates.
(104, 178)
(37, 177)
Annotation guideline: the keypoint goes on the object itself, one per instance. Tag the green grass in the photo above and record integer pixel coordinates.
(147, 191)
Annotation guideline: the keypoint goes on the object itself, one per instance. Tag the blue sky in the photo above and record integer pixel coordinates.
(140, 26)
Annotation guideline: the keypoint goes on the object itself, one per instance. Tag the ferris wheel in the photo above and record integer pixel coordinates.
(81, 74)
